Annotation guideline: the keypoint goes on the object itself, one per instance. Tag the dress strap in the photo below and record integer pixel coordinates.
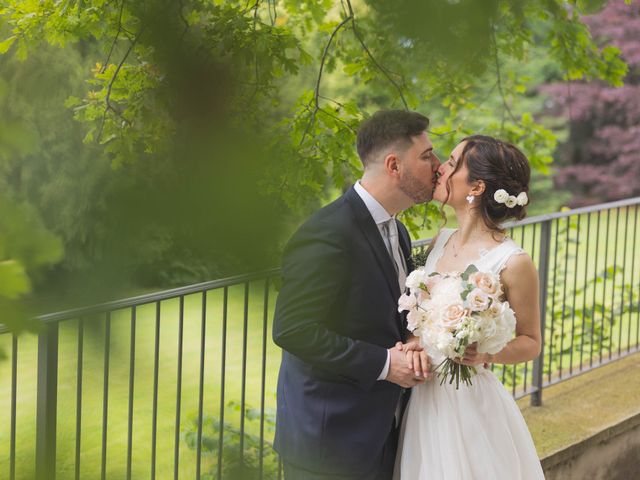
(443, 235)
(497, 258)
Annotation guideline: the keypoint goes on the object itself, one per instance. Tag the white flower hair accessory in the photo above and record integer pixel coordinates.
(501, 196)
(522, 198)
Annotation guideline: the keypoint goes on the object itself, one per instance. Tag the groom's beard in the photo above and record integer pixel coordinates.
(415, 189)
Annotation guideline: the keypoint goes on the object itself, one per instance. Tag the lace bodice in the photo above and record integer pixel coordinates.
(492, 260)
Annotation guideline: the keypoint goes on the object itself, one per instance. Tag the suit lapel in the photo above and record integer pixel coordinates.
(372, 234)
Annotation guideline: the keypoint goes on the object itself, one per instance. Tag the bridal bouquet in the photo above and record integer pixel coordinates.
(450, 312)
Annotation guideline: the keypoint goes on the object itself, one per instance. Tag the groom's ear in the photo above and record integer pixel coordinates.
(390, 163)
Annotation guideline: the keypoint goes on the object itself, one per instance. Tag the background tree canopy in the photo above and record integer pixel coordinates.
(600, 160)
(163, 142)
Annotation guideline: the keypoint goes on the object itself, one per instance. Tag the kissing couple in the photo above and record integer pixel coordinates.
(356, 397)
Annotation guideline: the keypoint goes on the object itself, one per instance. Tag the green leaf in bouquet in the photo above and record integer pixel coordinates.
(465, 293)
(470, 269)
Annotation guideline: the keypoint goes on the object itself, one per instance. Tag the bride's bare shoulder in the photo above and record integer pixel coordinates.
(519, 269)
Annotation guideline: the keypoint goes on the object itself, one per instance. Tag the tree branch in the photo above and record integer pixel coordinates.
(247, 7)
(316, 95)
(115, 39)
(499, 79)
(335, 117)
(273, 16)
(255, 53)
(569, 97)
(107, 98)
(182, 17)
(385, 71)
(463, 119)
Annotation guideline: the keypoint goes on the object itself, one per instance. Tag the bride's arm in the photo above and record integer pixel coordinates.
(521, 286)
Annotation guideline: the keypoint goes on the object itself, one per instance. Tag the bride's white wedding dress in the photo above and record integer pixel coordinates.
(475, 432)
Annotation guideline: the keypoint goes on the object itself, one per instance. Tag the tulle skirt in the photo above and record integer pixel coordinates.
(476, 432)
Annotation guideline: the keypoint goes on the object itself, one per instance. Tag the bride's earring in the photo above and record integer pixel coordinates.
(470, 199)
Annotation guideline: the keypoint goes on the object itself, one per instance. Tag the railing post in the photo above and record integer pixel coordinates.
(543, 273)
(47, 402)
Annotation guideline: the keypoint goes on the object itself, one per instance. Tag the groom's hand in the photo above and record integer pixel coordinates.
(400, 371)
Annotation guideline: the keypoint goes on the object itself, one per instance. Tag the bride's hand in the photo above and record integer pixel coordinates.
(473, 358)
(417, 358)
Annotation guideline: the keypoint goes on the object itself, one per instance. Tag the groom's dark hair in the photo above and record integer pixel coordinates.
(386, 128)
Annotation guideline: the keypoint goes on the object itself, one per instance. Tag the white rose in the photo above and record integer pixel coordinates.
(446, 344)
(406, 302)
(414, 319)
(415, 278)
(485, 328)
(446, 291)
(508, 318)
(504, 329)
(522, 198)
(500, 196)
(495, 309)
(424, 303)
(493, 344)
(511, 201)
(477, 300)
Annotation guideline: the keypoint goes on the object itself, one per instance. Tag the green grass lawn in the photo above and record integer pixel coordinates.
(92, 391)
(583, 261)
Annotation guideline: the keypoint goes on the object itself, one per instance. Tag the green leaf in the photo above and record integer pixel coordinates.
(5, 45)
(591, 6)
(470, 269)
(72, 102)
(13, 279)
(353, 68)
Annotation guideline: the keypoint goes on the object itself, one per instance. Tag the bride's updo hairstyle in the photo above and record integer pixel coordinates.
(500, 165)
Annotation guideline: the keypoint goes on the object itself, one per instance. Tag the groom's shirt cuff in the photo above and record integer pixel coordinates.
(385, 370)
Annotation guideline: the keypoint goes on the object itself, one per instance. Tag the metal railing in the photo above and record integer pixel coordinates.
(182, 383)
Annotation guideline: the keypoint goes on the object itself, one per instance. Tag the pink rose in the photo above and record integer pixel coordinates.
(486, 282)
(478, 300)
(452, 316)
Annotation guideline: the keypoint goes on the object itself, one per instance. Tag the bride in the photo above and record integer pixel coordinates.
(477, 431)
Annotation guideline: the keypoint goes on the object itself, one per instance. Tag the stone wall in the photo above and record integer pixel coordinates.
(611, 454)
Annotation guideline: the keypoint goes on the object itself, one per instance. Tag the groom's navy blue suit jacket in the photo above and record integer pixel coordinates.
(336, 315)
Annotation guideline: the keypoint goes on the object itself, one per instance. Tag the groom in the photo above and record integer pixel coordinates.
(341, 379)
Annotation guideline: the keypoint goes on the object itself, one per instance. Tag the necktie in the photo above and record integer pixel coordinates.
(391, 231)
(393, 246)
